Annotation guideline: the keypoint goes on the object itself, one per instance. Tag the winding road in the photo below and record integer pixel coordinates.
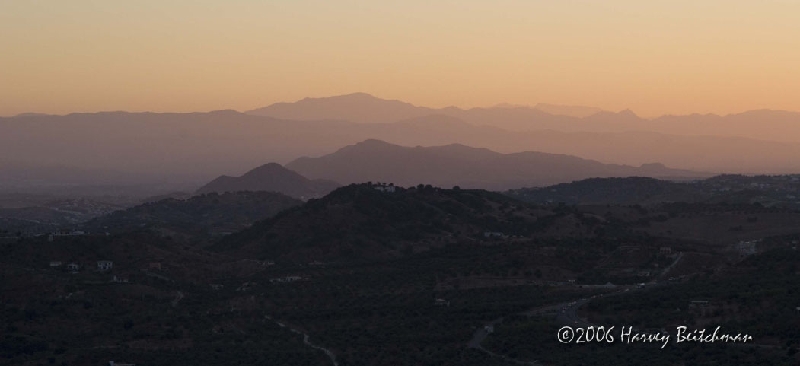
(566, 314)
(307, 341)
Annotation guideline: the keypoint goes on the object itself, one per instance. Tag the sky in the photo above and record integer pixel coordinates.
(654, 57)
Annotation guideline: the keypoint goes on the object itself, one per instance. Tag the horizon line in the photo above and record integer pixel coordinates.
(500, 105)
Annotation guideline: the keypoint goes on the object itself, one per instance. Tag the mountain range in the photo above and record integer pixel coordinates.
(768, 125)
(468, 167)
(182, 151)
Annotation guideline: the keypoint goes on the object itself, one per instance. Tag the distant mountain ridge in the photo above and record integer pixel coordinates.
(182, 151)
(356, 107)
(271, 177)
(460, 165)
(567, 110)
(364, 108)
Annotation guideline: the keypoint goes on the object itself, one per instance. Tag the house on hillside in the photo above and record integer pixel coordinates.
(441, 302)
(493, 234)
(665, 250)
(54, 264)
(65, 233)
(116, 279)
(73, 267)
(155, 266)
(285, 279)
(105, 265)
(383, 187)
(746, 248)
(246, 286)
(112, 363)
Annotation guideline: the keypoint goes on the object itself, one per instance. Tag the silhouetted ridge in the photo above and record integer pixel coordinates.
(271, 177)
(203, 214)
(631, 190)
(458, 164)
(378, 220)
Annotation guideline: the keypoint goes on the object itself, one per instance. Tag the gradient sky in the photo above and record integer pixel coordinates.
(652, 56)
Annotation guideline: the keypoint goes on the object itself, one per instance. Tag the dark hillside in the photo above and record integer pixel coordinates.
(360, 221)
(205, 215)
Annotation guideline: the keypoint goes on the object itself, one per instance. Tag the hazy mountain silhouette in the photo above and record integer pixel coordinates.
(451, 165)
(759, 124)
(186, 150)
(567, 110)
(271, 177)
(31, 175)
(356, 107)
(365, 108)
(360, 107)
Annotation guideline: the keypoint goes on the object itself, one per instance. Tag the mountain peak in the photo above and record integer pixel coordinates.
(373, 142)
(357, 96)
(369, 146)
(270, 177)
(355, 107)
(270, 169)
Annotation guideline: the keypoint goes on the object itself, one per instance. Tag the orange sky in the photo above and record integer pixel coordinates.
(653, 56)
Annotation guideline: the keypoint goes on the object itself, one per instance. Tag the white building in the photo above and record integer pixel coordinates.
(105, 265)
(493, 234)
(746, 248)
(285, 279)
(119, 279)
(65, 233)
(383, 187)
(74, 267)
